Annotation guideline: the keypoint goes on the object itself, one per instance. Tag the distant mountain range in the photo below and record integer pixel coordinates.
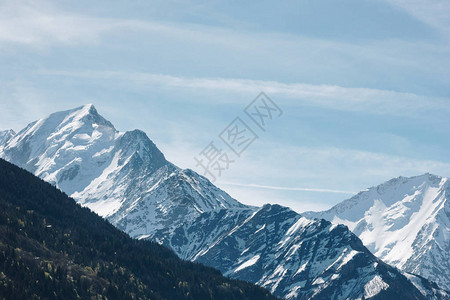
(405, 222)
(292, 256)
(126, 179)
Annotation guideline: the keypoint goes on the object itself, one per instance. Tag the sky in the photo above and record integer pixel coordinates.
(363, 87)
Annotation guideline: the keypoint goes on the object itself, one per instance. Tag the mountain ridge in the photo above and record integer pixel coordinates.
(292, 256)
(404, 221)
(123, 177)
(52, 248)
(110, 172)
(6, 135)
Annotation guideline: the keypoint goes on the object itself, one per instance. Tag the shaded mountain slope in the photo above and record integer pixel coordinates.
(405, 222)
(292, 256)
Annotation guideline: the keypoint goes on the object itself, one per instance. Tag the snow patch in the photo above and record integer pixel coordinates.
(248, 263)
(262, 227)
(374, 286)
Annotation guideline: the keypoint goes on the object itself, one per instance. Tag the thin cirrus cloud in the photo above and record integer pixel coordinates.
(326, 96)
(38, 22)
(303, 190)
(43, 25)
(291, 163)
(433, 12)
(283, 188)
(201, 60)
(28, 24)
(361, 166)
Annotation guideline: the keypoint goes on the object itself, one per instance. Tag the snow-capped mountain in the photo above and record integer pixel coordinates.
(405, 222)
(5, 136)
(120, 175)
(292, 256)
(124, 177)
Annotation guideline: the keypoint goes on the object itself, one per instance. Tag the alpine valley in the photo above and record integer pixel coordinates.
(123, 177)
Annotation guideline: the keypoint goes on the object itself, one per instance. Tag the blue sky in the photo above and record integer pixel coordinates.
(364, 85)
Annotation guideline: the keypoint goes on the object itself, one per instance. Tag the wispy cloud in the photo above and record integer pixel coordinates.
(41, 24)
(435, 13)
(258, 197)
(328, 96)
(370, 63)
(306, 166)
(287, 177)
(29, 23)
(282, 188)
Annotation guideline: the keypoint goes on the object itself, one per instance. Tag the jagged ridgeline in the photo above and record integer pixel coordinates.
(52, 248)
(125, 178)
(405, 222)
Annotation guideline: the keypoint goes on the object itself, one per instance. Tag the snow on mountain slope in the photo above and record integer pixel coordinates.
(293, 257)
(405, 222)
(120, 175)
(5, 136)
(125, 178)
(171, 197)
(429, 289)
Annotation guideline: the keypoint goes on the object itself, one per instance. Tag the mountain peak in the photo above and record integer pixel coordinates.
(6, 135)
(401, 182)
(429, 176)
(87, 114)
(423, 176)
(61, 139)
(8, 131)
(137, 142)
(87, 108)
(134, 264)
(118, 175)
(403, 221)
